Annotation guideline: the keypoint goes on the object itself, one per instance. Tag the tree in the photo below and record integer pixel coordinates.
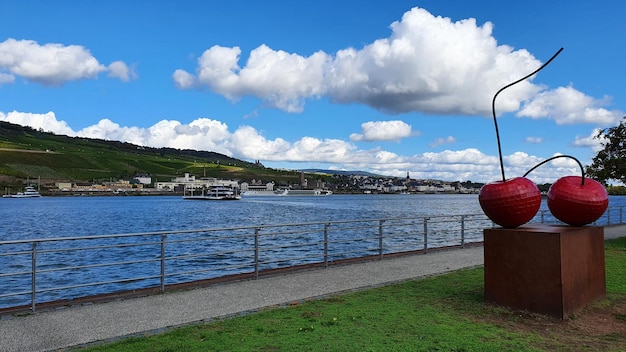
(610, 162)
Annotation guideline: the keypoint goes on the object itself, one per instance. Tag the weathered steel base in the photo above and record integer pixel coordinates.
(552, 270)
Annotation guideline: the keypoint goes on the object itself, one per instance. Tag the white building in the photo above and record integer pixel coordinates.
(143, 179)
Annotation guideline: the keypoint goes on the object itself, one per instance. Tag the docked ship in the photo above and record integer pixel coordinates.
(29, 192)
(264, 192)
(309, 192)
(212, 193)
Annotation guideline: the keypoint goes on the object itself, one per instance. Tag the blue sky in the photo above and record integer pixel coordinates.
(388, 87)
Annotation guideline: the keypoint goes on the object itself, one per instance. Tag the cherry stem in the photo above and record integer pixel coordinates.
(582, 170)
(493, 106)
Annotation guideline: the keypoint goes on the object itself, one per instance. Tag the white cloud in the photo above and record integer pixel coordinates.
(200, 134)
(282, 79)
(52, 64)
(183, 79)
(566, 105)
(383, 131)
(408, 71)
(6, 78)
(591, 141)
(533, 140)
(46, 122)
(247, 143)
(118, 69)
(442, 141)
(251, 145)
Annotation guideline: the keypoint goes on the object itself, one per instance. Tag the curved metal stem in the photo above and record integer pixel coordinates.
(582, 170)
(493, 106)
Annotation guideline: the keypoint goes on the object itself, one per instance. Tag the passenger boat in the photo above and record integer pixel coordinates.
(29, 192)
(309, 192)
(257, 192)
(212, 193)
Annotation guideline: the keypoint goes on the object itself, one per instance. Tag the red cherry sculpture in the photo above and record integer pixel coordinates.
(510, 203)
(575, 202)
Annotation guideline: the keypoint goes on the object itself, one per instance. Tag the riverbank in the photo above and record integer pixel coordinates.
(63, 328)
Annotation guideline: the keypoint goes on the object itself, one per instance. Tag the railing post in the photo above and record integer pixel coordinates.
(542, 219)
(426, 235)
(163, 237)
(326, 226)
(380, 239)
(462, 231)
(33, 292)
(256, 252)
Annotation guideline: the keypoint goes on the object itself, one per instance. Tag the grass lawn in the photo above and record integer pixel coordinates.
(443, 313)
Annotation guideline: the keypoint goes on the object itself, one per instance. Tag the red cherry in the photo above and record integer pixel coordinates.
(575, 203)
(510, 203)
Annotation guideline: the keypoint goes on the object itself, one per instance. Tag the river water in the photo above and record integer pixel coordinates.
(48, 217)
(57, 217)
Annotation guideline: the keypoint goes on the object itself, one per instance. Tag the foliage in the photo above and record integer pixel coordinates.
(617, 190)
(610, 162)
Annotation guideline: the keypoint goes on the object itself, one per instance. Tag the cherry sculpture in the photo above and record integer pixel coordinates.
(576, 200)
(514, 202)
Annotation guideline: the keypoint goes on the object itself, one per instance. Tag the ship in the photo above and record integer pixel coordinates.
(264, 192)
(212, 193)
(29, 192)
(309, 192)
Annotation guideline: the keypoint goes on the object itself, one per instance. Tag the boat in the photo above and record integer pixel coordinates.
(213, 193)
(29, 192)
(309, 192)
(264, 192)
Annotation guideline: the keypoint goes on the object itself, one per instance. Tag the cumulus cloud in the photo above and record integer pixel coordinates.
(383, 131)
(566, 105)
(53, 64)
(408, 71)
(200, 134)
(593, 141)
(442, 141)
(46, 122)
(280, 78)
(118, 69)
(249, 144)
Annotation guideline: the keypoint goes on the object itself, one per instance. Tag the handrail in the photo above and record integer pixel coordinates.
(43, 270)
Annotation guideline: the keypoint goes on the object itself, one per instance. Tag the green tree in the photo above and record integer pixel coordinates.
(610, 162)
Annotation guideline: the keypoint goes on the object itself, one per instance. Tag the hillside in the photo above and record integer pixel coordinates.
(28, 153)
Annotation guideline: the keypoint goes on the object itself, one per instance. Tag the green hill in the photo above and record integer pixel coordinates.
(26, 153)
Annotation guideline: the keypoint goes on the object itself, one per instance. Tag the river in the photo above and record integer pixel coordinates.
(58, 217)
(48, 217)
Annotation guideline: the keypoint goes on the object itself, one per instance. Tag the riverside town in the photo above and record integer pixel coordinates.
(340, 184)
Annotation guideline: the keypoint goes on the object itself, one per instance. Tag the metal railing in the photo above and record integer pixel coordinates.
(45, 270)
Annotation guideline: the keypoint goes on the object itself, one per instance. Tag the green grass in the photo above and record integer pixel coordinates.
(414, 316)
(443, 313)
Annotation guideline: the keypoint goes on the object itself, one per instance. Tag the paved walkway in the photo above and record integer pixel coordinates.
(62, 328)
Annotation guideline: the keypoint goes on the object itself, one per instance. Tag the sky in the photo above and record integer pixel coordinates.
(387, 87)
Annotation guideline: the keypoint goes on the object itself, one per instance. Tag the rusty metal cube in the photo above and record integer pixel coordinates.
(546, 269)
